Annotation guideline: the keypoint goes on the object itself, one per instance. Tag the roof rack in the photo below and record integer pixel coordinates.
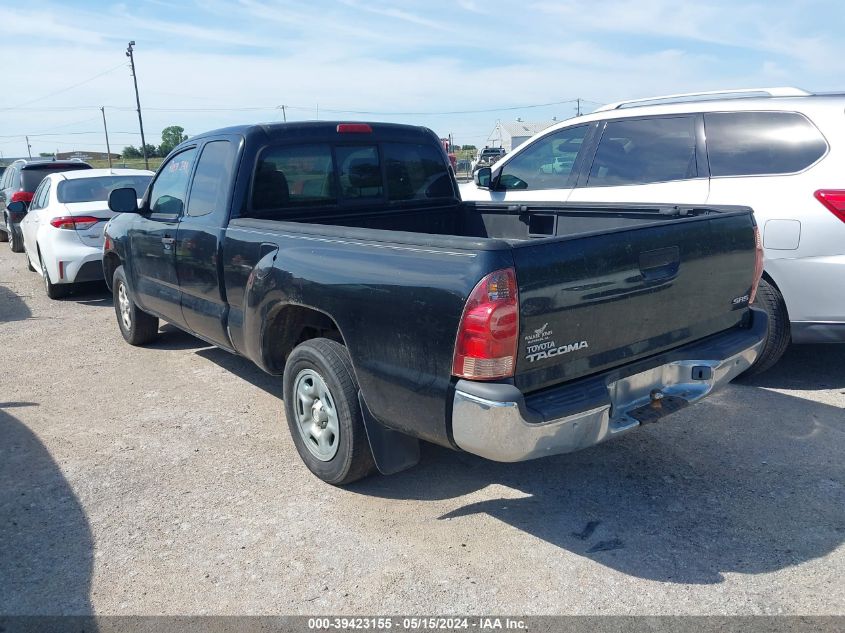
(704, 96)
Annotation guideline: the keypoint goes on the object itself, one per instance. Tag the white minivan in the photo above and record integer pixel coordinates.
(780, 151)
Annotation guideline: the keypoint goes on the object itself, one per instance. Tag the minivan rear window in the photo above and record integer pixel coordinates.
(31, 177)
(761, 143)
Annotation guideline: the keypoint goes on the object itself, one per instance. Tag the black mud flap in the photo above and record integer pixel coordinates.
(656, 409)
(393, 452)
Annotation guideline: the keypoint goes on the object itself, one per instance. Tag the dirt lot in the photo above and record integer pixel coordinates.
(163, 480)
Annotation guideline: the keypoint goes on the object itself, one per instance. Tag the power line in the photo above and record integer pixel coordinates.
(307, 109)
(57, 92)
(61, 134)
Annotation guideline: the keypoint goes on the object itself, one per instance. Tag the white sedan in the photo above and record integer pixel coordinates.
(63, 228)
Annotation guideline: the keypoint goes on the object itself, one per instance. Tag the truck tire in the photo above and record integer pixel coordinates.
(136, 326)
(770, 299)
(15, 240)
(323, 412)
(54, 291)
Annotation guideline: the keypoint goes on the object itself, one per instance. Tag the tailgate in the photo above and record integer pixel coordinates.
(592, 302)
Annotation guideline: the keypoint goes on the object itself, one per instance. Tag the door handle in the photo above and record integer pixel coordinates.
(661, 264)
(167, 241)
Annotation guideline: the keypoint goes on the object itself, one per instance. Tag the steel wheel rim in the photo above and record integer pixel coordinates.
(123, 305)
(315, 410)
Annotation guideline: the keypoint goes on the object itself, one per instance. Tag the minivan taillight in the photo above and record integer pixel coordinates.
(21, 196)
(70, 222)
(486, 345)
(758, 264)
(834, 200)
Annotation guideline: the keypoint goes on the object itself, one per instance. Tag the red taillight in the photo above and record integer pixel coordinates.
(354, 128)
(71, 223)
(21, 196)
(486, 345)
(758, 264)
(834, 200)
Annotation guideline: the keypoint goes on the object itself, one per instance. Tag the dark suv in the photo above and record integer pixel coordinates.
(18, 182)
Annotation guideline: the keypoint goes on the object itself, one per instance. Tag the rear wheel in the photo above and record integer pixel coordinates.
(323, 412)
(771, 300)
(4, 237)
(136, 326)
(15, 241)
(54, 291)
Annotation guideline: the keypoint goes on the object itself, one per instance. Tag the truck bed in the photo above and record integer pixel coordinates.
(600, 285)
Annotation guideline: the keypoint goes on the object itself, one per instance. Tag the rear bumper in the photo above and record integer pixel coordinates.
(79, 263)
(496, 421)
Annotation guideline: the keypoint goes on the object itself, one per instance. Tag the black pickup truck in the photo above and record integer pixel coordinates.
(340, 256)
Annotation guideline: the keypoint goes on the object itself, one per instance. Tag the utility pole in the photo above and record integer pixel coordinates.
(28, 147)
(131, 56)
(106, 130)
(578, 106)
(284, 116)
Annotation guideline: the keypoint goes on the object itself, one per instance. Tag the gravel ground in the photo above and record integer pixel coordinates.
(162, 480)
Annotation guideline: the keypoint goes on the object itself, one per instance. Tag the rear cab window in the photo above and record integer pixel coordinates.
(761, 143)
(294, 178)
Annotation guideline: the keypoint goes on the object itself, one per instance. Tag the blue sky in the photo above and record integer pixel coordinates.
(211, 63)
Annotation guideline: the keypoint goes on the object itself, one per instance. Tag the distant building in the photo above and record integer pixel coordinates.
(511, 135)
(83, 155)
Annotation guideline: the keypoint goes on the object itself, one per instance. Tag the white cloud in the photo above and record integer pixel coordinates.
(394, 58)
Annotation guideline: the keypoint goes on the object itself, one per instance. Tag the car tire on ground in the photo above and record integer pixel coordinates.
(777, 340)
(323, 412)
(4, 237)
(29, 265)
(54, 291)
(136, 326)
(15, 241)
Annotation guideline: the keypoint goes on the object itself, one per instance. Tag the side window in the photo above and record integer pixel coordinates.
(546, 164)
(167, 196)
(641, 151)
(292, 176)
(211, 179)
(359, 172)
(41, 195)
(755, 143)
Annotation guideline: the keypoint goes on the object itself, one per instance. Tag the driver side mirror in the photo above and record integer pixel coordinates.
(482, 177)
(123, 200)
(17, 207)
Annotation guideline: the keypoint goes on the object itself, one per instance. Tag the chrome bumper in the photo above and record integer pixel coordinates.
(503, 431)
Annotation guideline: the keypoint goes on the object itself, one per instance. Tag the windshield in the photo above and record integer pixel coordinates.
(98, 188)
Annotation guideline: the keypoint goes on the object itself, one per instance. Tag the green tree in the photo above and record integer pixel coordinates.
(131, 152)
(152, 151)
(45, 154)
(170, 138)
(468, 148)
